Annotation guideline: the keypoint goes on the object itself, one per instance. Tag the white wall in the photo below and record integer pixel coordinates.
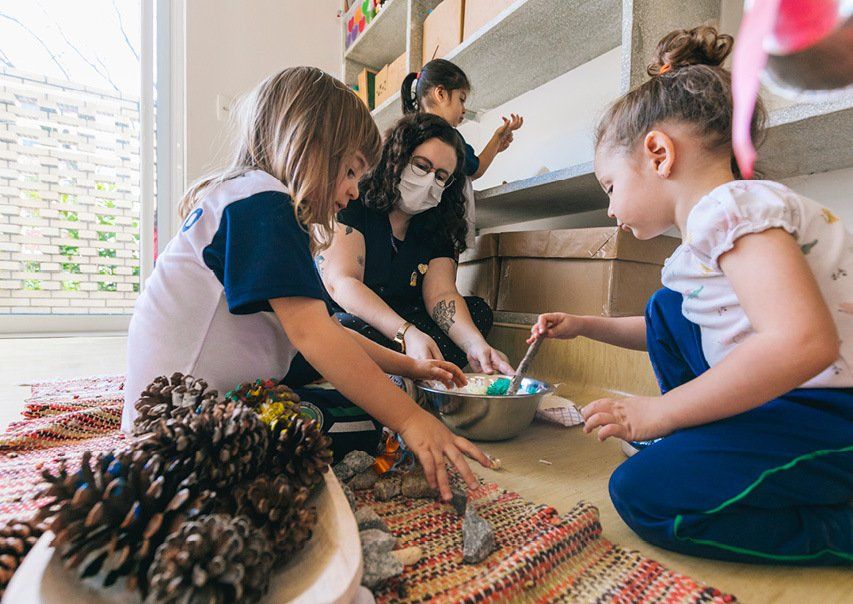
(232, 45)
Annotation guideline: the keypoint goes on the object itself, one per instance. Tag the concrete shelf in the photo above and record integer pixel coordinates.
(558, 193)
(806, 138)
(556, 36)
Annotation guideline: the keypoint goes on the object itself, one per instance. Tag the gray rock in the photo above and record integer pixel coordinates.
(459, 501)
(387, 487)
(374, 541)
(366, 518)
(349, 495)
(415, 485)
(364, 480)
(378, 568)
(478, 537)
(343, 471)
(358, 461)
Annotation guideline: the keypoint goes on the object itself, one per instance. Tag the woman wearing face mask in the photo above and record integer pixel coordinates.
(391, 267)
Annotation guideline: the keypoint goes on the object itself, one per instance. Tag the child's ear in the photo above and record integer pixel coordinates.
(440, 95)
(659, 150)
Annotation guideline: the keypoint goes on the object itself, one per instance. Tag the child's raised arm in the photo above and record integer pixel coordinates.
(340, 359)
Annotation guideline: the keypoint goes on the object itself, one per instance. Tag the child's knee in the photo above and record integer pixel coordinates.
(636, 495)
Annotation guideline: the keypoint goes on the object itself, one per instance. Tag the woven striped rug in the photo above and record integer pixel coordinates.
(541, 556)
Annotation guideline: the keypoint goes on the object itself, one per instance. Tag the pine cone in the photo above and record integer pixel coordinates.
(217, 558)
(16, 540)
(175, 397)
(301, 451)
(224, 443)
(279, 508)
(111, 514)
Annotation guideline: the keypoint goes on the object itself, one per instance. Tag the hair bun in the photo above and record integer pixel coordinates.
(701, 45)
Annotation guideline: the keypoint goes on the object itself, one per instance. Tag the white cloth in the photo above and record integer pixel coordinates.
(181, 321)
(740, 208)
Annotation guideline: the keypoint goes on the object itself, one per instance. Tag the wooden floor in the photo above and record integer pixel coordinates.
(579, 469)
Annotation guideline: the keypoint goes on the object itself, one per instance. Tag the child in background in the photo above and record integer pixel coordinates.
(751, 338)
(236, 292)
(441, 88)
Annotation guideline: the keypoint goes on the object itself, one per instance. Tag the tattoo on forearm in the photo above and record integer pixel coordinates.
(360, 260)
(443, 314)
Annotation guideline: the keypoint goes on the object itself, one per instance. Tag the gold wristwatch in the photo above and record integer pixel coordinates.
(401, 335)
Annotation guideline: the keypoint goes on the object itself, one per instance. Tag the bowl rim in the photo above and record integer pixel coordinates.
(549, 389)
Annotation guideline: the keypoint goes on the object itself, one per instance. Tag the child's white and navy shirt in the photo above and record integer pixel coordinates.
(205, 309)
(740, 208)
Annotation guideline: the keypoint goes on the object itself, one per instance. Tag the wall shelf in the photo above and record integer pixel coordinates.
(384, 38)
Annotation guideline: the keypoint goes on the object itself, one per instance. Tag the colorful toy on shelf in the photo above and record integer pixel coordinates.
(357, 17)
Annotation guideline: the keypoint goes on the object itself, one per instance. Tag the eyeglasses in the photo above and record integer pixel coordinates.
(421, 166)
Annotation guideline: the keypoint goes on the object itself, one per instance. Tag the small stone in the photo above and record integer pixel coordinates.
(459, 501)
(365, 480)
(374, 541)
(349, 495)
(358, 461)
(478, 537)
(387, 487)
(409, 555)
(378, 568)
(495, 463)
(343, 471)
(368, 519)
(415, 485)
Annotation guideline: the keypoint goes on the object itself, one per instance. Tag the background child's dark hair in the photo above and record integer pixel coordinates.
(380, 188)
(689, 85)
(437, 72)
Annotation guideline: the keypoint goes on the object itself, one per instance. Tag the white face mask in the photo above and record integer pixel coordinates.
(418, 193)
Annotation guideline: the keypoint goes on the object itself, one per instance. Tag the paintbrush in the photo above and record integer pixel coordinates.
(523, 365)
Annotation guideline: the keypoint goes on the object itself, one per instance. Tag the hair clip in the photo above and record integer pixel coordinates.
(664, 68)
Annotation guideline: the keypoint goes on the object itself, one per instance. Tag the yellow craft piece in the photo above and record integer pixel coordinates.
(829, 216)
(272, 412)
(705, 268)
(422, 268)
(414, 280)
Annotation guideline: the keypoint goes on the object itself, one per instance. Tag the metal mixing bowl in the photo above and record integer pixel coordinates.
(482, 417)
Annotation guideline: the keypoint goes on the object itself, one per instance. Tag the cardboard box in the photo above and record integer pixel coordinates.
(390, 79)
(480, 12)
(479, 270)
(598, 271)
(443, 30)
(367, 87)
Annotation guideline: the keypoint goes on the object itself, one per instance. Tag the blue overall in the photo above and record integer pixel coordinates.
(771, 485)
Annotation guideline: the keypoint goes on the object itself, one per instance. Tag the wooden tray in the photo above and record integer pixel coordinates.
(327, 570)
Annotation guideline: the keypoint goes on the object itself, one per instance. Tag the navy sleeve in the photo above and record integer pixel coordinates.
(472, 162)
(353, 215)
(261, 252)
(444, 248)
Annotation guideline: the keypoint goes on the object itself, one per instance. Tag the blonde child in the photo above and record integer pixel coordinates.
(751, 338)
(236, 293)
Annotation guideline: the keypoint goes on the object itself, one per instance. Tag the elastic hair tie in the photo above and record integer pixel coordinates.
(664, 68)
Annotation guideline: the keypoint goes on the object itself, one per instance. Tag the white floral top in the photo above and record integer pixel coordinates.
(740, 208)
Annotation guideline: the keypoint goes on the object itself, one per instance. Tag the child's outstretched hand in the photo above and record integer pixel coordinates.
(444, 371)
(432, 442)
(504, 132)
(556, 325)
(635, 418)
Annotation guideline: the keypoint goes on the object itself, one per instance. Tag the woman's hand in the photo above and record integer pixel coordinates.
(635, 418)
(485, 359)
(420, 346)
(556, 325)
(504, 133)
(432, 443)
(444, 371)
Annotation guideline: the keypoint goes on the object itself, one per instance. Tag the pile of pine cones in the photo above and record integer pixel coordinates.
(203, 504)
